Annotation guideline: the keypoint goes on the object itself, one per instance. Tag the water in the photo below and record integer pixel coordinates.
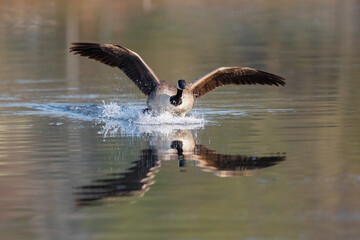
(79, 160)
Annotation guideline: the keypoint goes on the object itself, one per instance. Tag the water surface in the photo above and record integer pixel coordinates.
(77, 157)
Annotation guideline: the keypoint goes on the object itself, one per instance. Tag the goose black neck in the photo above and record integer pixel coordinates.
(176, 99)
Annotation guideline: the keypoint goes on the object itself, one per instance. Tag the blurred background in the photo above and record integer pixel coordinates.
(52, 139)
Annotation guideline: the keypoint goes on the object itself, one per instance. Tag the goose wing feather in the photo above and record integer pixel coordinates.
(117, 56)
(233, 75)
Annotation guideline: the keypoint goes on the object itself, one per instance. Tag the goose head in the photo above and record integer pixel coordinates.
(176, 99)
(181, 85)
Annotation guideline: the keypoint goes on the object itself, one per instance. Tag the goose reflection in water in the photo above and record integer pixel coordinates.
(181, 146)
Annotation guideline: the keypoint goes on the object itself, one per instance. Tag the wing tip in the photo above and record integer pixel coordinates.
(78, 47)
(277, 80)
(280, 81)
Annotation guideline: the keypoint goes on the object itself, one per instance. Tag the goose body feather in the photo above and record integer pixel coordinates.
(159, 100)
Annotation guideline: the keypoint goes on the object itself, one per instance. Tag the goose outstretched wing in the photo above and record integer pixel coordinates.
(117, 56)
(233, 75)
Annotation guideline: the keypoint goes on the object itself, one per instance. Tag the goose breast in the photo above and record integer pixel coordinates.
(159, 100)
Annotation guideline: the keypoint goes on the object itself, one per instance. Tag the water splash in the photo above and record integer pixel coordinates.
(131, 120)
(114, 118)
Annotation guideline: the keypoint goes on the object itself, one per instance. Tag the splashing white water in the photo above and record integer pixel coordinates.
(131, 120)
(115, 118)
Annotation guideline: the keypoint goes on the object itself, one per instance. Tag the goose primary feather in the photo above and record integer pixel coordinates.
(163, 97)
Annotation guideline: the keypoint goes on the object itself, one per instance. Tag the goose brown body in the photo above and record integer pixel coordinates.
(163, 97)
(159, 100)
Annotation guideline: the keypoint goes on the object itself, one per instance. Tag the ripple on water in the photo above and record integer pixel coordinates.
(130, 119)
(115, 118)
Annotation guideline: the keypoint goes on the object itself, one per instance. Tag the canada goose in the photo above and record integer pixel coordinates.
(163, 97)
